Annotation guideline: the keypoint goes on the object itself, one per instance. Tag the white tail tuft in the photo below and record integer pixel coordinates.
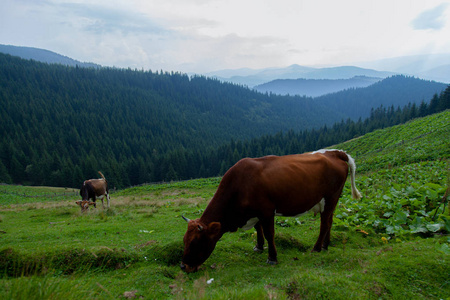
(355, 193)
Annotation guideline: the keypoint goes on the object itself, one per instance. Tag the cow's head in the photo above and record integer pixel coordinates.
(199, 242)
(84, 204)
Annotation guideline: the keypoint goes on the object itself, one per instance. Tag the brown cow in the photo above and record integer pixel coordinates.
(255, 190)
(92, 189)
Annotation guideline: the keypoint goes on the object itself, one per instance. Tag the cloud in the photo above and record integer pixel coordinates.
(103, 19)
(203, 35)
(433, 19)
(198, 52)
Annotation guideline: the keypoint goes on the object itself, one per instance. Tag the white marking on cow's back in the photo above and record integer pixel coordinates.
(250, 224)
(318, 208)
(324, 150)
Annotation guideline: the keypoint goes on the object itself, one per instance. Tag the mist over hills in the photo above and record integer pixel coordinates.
(431, 67)
(252, 78)
(434, 67)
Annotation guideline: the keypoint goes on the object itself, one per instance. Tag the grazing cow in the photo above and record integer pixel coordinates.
(84, 204)
(92, 189)
(255, 190)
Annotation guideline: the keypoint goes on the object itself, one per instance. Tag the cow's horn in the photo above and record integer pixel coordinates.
(186, 219)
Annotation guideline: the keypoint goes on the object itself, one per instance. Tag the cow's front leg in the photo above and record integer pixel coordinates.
(269, 233)
(259, 238)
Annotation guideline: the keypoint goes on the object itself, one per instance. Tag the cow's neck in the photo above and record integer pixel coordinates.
(214, 212)
(218, 210)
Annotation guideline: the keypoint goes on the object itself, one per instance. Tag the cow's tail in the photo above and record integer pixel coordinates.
(103, 176)
(351, 163)
(106, 188)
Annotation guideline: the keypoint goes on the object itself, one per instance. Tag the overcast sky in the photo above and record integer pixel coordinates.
(207, 35)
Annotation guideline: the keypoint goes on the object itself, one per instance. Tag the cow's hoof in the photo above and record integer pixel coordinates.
(258, 250)
(272, 262)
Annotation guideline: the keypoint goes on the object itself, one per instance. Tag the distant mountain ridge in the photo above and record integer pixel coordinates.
(252, 78)
(43, 55)
(429, 67)
(314, 87)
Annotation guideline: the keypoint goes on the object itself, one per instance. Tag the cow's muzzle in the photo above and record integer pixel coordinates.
(187, 268)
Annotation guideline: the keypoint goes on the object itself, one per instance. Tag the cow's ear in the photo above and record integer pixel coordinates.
(214, 228)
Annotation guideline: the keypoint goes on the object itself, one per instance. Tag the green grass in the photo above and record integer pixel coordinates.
(15, 194)
(392, 244)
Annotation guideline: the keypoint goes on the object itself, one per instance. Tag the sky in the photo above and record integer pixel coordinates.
(208, 35)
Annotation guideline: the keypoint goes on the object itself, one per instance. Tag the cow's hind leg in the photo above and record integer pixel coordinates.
(326, 221)
(259, 238)
(269, 233)
(324, 230)
(326, 241)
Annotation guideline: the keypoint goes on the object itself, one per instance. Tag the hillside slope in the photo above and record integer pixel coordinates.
(391, 244)
(421, 139)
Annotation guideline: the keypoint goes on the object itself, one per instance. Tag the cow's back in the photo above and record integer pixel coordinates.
(289, 184)
(100, 186)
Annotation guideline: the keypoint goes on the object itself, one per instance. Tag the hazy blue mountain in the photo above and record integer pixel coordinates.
(431, 66)
(314, 87)
(45, 56)
(441, 74)
(252, 78)
(397, 91)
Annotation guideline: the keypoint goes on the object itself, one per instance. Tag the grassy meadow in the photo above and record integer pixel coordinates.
(392, 244)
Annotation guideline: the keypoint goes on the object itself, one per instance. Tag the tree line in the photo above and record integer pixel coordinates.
(217, 161)
(182, 163)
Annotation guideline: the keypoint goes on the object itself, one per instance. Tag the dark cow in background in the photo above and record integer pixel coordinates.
(93, 189)
(255, 190)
